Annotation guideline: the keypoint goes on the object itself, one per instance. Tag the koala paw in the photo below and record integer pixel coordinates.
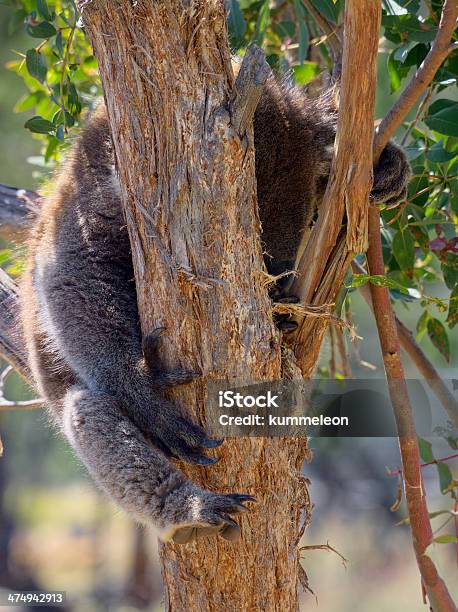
(283, 321)
(391, 175)
(212, 517)
(179, 437)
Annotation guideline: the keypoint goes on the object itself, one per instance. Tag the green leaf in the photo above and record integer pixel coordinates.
(36, 65)
(445, 476)
(43, 9)
(445, 121)
(422, 325)
(376, 279)
(438, 336)
(39, 125)
(452, 317)
(60, 44)
(396, 71)
(426, 452)
(262, 23)
(285, 29)
(235, 20)
(438, 155)
(446, 539)
(328, 9)
(440, 105)
(29, 101)
(305, 73)
(60, 135)
(404, 249)
(41, 30)
(450, 270)
(303, 30)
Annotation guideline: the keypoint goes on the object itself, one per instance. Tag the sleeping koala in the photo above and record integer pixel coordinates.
(102, 382)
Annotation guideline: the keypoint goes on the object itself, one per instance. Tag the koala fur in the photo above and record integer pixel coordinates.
(102, 382)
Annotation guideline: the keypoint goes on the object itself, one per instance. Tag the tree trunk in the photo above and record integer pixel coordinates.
(186, 166)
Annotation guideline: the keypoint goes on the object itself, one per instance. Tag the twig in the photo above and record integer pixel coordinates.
(23, 405)
(418, 114)
(326, 547)
(414, 351)
(6, 404)
(345, 362)
(422, 465)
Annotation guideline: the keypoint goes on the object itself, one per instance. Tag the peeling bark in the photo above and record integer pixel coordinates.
(329, 251)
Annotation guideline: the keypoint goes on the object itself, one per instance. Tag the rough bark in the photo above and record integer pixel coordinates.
(188, 187)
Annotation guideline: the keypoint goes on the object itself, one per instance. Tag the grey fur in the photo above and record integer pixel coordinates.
(101, 381)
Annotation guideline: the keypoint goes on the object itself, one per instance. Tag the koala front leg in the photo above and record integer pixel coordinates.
(140, 478)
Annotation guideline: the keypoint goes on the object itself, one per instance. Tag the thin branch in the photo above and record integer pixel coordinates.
(326, 547)
(33, 404)
(6, 404)
(422, 465)
(414, 351)
(418, 114)
(440, 49)
(422, 535)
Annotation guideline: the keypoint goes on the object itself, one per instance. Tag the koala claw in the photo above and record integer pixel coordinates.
(284, 324)
(179, 437)
(215, 519)
(283, 321)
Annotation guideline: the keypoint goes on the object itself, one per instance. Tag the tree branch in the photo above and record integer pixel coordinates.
(11, 343)
(440, 48)
(16, 206)
(422, 535)
(328, 253)
(418, 357)
(414, 490)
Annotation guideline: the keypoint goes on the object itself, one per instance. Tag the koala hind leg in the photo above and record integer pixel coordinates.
(138, 476)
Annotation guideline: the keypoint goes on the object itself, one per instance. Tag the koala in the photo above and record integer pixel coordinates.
(102, 381)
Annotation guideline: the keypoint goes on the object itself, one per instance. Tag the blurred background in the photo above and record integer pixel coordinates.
(57, 532)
